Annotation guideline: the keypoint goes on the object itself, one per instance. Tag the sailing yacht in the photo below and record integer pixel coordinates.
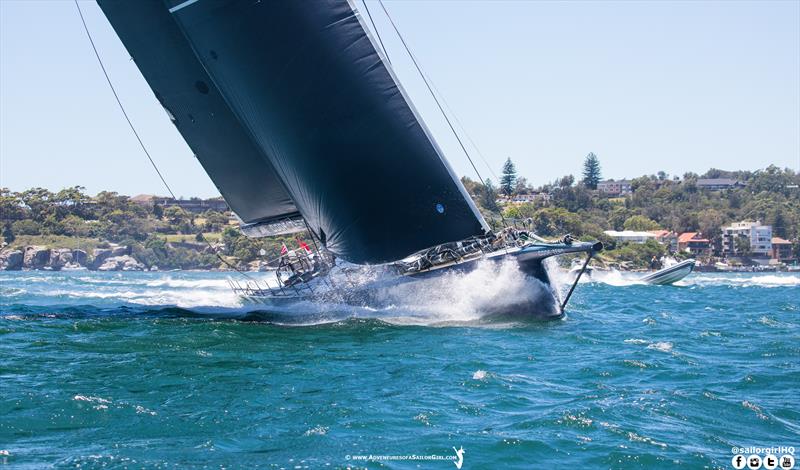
(298, 118)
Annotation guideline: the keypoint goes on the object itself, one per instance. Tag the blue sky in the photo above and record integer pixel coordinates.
(648, 86)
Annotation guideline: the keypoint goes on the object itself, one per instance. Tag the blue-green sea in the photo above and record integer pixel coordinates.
(170, 370)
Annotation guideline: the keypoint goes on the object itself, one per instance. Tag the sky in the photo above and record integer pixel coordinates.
(646, 85)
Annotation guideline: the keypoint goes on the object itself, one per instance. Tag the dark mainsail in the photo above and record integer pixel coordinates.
(297, 90)
(243, 176)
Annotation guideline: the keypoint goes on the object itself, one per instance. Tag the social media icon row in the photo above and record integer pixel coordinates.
(770, 462)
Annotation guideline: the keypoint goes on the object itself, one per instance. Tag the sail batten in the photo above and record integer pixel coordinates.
(310, 95)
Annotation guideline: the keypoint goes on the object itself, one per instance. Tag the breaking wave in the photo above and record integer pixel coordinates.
(453, 297)
(746, 280)
(617, 278)
(465, 297)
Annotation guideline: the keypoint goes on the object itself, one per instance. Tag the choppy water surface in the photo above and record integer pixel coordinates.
(168, 369)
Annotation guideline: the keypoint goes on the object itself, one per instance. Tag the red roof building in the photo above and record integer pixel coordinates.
(694, 243)
(666, 237)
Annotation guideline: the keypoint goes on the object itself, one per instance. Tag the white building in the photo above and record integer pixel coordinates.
(542, 198)
(630, 236)
(758, 237)
(614, 188)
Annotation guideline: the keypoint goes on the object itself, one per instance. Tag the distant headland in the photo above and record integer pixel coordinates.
(725, 219)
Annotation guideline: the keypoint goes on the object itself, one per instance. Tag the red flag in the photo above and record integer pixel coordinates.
(303, 245)
(284, 250)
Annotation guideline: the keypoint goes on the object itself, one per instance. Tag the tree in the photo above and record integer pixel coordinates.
(11, 206)
(522, 186)
(742, 246)
(179, 219)
(39, 201)
(779, 224)
(215, 221)
(489, 197)
(508, 181)
(76, 226)
(26, 227)
(591, 171)
(640, 223)
(556, 221)
(710, 222)
(8, 234)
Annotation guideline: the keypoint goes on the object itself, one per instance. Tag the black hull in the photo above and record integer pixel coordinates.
(512, 284)
(536, 299)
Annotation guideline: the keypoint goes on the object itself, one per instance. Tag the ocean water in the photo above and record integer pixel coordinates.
(170, 370)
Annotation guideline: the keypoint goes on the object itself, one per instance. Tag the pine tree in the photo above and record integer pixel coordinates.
(591, 171)
(509, 179)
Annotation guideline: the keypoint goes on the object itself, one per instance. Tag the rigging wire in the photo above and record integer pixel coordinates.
(433, 85)
(430, 86)
(119, 102)
(463, 129)
(139, 139)
(377, 33)
(427, 84)
(436, 89)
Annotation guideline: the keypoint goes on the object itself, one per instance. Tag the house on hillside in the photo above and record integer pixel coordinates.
(694, 243)
(614, 188)
(668, 238)
(533, 198)
(717, 184)
(754, 235)
(781, 249)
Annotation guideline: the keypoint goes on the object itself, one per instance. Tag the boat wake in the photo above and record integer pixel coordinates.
(452, 298)
(624, 279)
(745, 280)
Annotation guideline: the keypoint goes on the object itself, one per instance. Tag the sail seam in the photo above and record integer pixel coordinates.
(182, 5)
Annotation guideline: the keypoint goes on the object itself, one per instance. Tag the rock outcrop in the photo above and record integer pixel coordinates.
(36, 257)
(59, 258)
(11, 260)
(116, 258)
(120, 250)
(79, 257)
(99, 256)
(121, 263)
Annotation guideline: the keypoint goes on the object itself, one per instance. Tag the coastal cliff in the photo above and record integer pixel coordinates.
(115, 258)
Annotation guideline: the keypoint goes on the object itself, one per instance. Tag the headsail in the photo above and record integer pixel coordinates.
(305, 88)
